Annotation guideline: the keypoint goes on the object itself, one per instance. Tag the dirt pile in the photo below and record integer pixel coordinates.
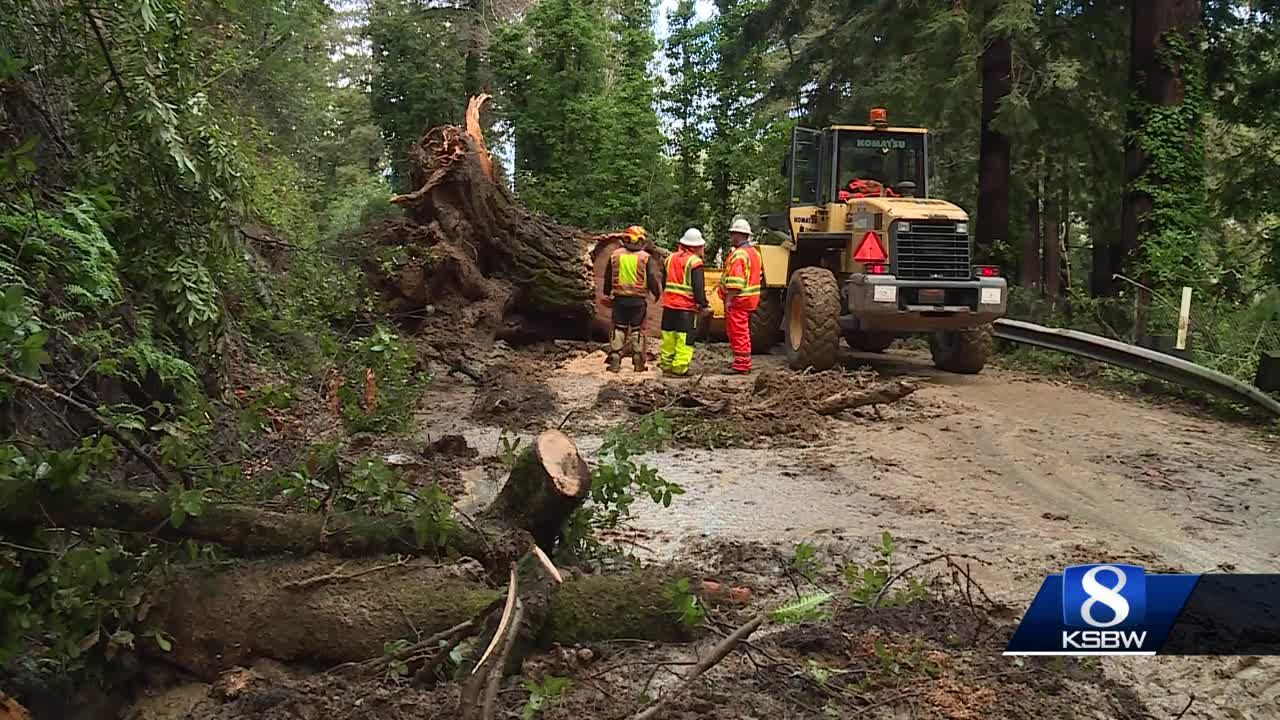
(514, 395)
(785, 407)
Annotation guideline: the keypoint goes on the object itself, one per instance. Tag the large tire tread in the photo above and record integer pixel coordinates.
(820, 333)
(766, 322)
(968, 352)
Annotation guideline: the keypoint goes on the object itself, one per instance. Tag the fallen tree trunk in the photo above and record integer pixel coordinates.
(269, 609)
(549, 477)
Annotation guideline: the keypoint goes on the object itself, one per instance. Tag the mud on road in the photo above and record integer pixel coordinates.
(1028, 472)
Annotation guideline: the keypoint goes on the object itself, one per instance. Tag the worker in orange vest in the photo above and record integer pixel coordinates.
(631, 274)
(740, 290)
(684, 300)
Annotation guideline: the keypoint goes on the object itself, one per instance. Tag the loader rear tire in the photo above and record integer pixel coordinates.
(961, 351)
(875, 342)
(813, 319)
(766, 322)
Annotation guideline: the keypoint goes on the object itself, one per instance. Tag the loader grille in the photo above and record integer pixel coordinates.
(931, 250)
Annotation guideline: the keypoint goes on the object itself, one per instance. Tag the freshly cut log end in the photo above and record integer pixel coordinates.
(548, 481)
(559, 457)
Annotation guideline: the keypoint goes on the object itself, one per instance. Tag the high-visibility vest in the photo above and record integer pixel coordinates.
(677, 293)
(630, 272)
(743, 272)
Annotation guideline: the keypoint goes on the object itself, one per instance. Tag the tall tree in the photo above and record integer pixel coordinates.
(685, 102)
(1163, 212)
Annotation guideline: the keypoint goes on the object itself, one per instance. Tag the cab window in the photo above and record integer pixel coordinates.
(886, 158)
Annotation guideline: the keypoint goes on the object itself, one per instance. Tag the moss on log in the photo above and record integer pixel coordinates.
(280, 610)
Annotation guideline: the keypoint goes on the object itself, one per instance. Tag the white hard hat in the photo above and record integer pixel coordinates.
(740, 225)
(693, 238)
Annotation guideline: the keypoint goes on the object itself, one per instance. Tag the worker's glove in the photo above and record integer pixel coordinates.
(608, 301)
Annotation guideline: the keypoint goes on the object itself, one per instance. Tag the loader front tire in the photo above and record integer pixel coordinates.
(813, 319)
(961, 351)
(766, 322)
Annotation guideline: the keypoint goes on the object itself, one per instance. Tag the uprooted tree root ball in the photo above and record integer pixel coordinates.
(780, 406)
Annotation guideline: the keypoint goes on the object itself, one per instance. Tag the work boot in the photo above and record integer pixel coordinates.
(613, 363)
(637, 362)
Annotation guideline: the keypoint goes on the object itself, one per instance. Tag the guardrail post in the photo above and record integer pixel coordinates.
(1184, 319)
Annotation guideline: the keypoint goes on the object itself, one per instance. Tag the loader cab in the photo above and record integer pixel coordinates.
(823, 162)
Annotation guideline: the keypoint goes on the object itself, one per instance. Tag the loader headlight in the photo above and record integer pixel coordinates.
(962, 228)
(904, 226)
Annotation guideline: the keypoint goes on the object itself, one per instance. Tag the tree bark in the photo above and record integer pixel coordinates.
(1052, 243)
(266, 609)
(548, 482)
(504, 534)
(993, 148)
(1152, 81)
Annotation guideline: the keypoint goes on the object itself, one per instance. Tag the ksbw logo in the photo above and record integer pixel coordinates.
(1107, 602)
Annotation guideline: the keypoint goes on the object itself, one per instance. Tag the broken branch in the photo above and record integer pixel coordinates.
(718, 653)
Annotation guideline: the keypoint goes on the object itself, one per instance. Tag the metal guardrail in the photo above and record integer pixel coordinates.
(1132, 357)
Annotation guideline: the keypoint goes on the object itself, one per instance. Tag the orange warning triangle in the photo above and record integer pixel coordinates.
(870, 249)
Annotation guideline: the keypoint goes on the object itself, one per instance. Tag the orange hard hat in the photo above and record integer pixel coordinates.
(635, 233)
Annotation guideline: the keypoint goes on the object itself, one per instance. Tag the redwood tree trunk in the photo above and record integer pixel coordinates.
(1152, 81)
(993, 149)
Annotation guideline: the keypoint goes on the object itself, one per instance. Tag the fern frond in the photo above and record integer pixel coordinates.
(805, 607)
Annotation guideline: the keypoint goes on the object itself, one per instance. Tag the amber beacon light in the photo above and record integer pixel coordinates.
(879, 117)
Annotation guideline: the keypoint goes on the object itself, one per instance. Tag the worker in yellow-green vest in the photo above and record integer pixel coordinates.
(631, 274)
(684, 303)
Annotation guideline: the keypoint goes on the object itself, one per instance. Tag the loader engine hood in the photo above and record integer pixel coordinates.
(908, 208)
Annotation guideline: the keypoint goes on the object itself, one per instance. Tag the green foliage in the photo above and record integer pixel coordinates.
(184, 504)
(418, 71)
(804, 560)
(617, 479)
(1172, 139)
(586, 62)
(65, 603)
(896, 664)
(22, 337)
(802, 609)
(544, 694)
(397, 668)
(865, 583)
(399, 384)
(508, 449)
(685, 603)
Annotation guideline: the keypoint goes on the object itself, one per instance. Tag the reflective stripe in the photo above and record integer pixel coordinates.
(748, 286)
(630, 272)
(677, 292)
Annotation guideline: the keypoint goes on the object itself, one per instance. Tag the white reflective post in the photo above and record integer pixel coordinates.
(1184, 318)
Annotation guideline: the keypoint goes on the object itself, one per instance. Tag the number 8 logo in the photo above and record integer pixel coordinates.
(1109, 596)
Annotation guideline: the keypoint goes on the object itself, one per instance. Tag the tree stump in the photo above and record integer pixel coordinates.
(548, 481)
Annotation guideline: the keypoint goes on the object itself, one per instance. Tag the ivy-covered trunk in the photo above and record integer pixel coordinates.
(1163, 210)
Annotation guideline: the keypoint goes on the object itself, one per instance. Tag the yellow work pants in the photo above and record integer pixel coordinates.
(676, 353)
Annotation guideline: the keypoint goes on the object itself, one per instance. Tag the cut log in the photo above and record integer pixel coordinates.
(220, 619)
(548, 481)
(880, 394)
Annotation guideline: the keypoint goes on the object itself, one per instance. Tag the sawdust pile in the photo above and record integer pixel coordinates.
(785, 406)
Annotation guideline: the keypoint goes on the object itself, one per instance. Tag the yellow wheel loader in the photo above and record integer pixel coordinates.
(869, 256)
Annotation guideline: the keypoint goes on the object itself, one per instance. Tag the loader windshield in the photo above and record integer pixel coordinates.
(880, 157)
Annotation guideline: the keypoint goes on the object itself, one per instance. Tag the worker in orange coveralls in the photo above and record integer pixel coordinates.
(740, 290)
